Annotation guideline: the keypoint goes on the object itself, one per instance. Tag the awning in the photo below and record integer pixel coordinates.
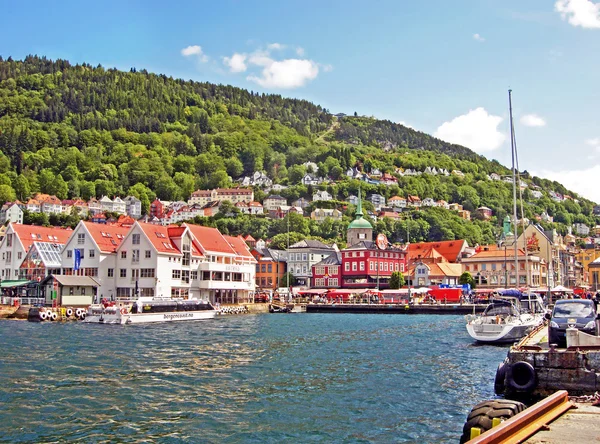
(560, 288)
(80, 281)
(313, 291)
(402, 291)
(341, 292)
(12, 284)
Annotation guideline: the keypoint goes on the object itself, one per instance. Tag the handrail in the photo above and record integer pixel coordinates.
(521, 426)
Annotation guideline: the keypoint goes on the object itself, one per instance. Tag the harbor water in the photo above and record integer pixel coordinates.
(247, 379)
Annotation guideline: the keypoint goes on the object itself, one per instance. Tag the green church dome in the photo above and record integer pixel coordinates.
(361, 222)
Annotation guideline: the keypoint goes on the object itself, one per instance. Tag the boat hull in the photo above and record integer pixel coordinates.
(498, 334)
(146, 318)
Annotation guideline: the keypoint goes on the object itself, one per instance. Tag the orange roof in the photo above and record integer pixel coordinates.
(449, 249)
(107, 237)
(210, 239)
(497, 252)
(125, 220)
(249, 238)
(239, 245)
(161, 237)
(28, 234)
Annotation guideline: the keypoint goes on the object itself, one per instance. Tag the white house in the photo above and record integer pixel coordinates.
(18, 241)
(133, 207)
(11, 212)
(95, 246)
(309, 179)
(271, 203)
(322, 195)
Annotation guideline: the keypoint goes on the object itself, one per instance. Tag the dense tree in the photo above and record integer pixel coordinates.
(396, 280)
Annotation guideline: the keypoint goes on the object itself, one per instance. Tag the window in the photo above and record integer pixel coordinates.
(110, 272)
(123, 272)
(135, 255)
(93, 272)
(19, 255)
(194, 275)
(347, 266)
(362, 266)
(123, 255)
(81, 252)
(354, 266)
(92, 253)
(270, 268)
(304, 256)
(9, 240)
(263, 268)
(185, 276)
(319, 270)
(69, 253)
(320, 282)
(493, 267)
(371, 266)
(81, 238)
(148, 254)
(176, 274)
(147, 272)
(483, 267)
(333, 282)
(135, 239)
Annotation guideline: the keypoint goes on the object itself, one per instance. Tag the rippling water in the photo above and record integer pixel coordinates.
(254, 378)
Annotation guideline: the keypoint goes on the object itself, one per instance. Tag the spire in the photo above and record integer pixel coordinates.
(359, 212)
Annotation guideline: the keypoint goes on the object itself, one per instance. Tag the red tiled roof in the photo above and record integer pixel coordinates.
(239, 245)
(161, 237)
(210, 239)
(449, 249)
(28, 234)
(229, 191)
(249, 238)
(107, 237)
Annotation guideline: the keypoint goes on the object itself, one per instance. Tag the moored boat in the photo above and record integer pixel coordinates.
(149, 310)
(507, 318)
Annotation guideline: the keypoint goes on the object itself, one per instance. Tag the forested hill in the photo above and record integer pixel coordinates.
(84, 131)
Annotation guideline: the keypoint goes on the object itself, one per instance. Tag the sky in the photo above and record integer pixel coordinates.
(439, 66)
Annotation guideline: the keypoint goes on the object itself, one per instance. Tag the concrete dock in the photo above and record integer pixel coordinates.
(576, 426)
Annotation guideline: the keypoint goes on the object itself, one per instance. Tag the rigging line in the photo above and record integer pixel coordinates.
(512, 148)
(518, 177)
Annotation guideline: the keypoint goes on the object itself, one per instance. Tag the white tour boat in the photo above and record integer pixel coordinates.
(146, 310)
(507, 319)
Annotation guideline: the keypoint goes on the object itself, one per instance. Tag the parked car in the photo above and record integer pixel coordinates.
(579, 313)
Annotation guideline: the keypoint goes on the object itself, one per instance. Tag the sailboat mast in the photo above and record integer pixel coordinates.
(514, 174)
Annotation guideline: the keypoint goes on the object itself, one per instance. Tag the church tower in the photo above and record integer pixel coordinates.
(359, 229)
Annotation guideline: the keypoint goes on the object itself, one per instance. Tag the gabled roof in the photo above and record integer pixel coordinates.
(28, 234)
(107, 237)
(311, 243)
(451, 250)
(239, 245)
(332, 259)
(160, 236)
(210, 239)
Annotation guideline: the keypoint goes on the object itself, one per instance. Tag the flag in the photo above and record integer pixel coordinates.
(77, 261)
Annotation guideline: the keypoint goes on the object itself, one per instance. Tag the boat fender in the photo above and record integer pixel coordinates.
(43, 315)
(54, 316)
(82, 316)
(521, 377)
(123, 310)
(69, 312)
(499, 381)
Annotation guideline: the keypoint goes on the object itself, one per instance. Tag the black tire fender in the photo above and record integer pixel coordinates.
(483, 414)
(521, 377)
(500, 379)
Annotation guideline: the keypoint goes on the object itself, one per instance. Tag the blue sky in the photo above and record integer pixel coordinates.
(442, 67)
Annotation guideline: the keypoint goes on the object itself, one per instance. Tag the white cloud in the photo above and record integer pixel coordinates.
(582, 181)
(584, 13)
(194, 50)
(327, 68)
(593, 142)
(300, 51)
(236, 63)
(477, 130)
(478, 38)
(403, 123)
(532, 120)
(285, 74)
(275, 46)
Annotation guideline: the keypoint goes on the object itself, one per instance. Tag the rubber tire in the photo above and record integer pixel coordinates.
(69, 312)
(525, 381)
(499, 381)
(482, 414)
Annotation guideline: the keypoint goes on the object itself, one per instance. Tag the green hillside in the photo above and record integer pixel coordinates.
(83, 131)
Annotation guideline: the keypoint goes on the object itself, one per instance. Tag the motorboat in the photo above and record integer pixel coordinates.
(149, 310)
(508, 318)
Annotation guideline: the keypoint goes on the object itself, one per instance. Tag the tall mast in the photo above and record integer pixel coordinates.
(514, 174)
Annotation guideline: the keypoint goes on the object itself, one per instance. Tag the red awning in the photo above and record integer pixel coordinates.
(343, 291)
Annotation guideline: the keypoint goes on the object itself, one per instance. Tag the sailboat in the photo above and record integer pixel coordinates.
(511, 315)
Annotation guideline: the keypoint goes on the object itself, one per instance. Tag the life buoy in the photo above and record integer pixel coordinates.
(43, 315)
(69, 312)
(123, 310)
(521, 377)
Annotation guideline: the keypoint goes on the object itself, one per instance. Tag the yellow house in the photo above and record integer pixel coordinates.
(585, 257)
